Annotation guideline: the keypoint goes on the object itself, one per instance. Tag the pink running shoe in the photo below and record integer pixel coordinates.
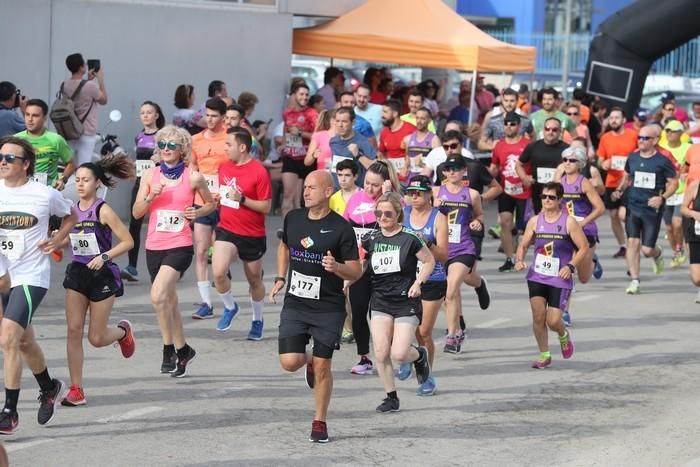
(542, 364)
(567, 351)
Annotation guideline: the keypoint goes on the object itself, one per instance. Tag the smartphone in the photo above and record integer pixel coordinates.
(93, 64)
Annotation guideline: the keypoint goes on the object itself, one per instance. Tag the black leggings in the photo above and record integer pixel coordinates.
(135, 228)
(359, 295)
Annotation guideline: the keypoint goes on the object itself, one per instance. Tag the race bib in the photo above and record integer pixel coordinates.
(645, 180)
(142, 165)
(225, 193)
(336, 160)
(455, 233)
(675, 200)
(618, 162)
(547, 265)
(386, 262)
(419, 265)
(84, 244)
(545, 175)
(12, 245)
(293, 141)
(41, 177)
(212, 182)
(398, 163)
(170, 221)
(513, 188)
(304, 286)
(416, 163)
(697, 227)
(359, 233)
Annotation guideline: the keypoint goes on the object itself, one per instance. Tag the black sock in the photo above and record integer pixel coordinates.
(462, 324)
(392, 395)
(44, 380)
(365, 359)
(182, 353)
(11, 398)
(420, 356)
(169, 349)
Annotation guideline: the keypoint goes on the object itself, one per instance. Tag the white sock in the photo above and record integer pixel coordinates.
(227, 298)
(257, 309)
(204, 291)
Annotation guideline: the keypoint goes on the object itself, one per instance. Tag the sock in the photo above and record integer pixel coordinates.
(392, 395)
(227, 298)
(462, 324)
(564, 339)
(420, 356)
(545, 355)
(182, 353)
(11, 398)
(364, 359)
(44, 380)
(623, 246)
(204, 291)
(257, 309)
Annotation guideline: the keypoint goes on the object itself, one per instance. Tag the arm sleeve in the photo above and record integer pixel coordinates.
(348, 244)
(58, 205)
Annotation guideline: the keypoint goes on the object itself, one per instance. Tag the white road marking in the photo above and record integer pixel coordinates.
(12, 447)
(493, 323)
(136, 413)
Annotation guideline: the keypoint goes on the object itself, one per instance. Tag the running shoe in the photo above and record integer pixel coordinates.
(566, 318)
(495, 231)
(542, 364)
(309, 375)
(127, 344)
(365, 367)
(633, 288)
(388, 405)
(48, 401)
(621, 253)
(74, 397)
(508, 266)
(256, 330)
(428, 388)
(405, 371)
(500, 249)
(319, 432)
(348, 337)
(483, 293)
(224, 323)
(57, 255)
(567, 347)
(597, 267)
(181, 370)
(452, 345)
(461, 336)
(422, 365)
(678, 259)
(658, 264)
(9, 422)
(204, 312)
(169, 361)
(697, 297)
(130, 274)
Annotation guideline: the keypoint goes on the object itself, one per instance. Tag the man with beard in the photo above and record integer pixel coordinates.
(391, 146)
(494, 129)
(549, 110)
(415, 102)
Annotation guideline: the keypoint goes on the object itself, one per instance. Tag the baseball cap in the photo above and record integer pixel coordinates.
(667, 96)
(512, 117)
(419, 183)
(456, 161)
(674, 125)
(641, 114)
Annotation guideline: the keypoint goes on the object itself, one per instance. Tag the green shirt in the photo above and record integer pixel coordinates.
(50, 148)
(538, 118)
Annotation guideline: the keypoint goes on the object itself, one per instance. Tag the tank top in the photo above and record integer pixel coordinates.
(418, 148)
(145, 145)
(553, 250)
(428, 231)
(576, 203)
(167, 226)
(692, 227)
(89, 237)
(458, 209)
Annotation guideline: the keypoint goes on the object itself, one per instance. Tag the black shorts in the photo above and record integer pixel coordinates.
(507, 203)
(95, 285)
(467, 260)
(408, 308)
(433, 290)
(179, 259)
(608, 201)
(249, 248)
(644, 226)
(694, 252)
(212, 219)
(297, 166)
(592, 240)
(297, 326)
(20, 303)
(478, 239)
(554, 296)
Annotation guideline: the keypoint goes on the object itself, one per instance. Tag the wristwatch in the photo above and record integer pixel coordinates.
(105, 257)
(280, 278)
(242, 200)
(571, 267)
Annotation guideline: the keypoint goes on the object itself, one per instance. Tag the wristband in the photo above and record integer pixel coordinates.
(280, 278)
(571, 267)
(242, 200)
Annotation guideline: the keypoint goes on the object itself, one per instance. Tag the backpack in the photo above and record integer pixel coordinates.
(63, 115)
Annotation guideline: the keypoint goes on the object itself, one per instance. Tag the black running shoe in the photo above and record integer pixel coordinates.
(388, 405)
(181, 370)
(507, 266)
(319, 432)
(483, 293)
(169, 362)
(48, 401)
(422, 365)
(309, 376)
(9, 422)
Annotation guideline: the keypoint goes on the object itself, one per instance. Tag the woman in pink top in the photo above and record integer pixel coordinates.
(320, 147)
(168, 192)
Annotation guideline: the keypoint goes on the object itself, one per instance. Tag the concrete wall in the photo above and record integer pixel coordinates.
(318, 7)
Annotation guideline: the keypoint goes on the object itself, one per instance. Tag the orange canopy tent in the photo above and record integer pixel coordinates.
(412, 32)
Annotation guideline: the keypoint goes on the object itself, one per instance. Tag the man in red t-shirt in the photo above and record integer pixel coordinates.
(506, 153)
(391, 139)
(245, 197)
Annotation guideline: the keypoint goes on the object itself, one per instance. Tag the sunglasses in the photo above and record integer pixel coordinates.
(573, 161)
(171, 145)
(511, 123)
(645, 138)
(452, 168)
(572, 114)
(552, 130)
(10, 158)
(415, 193)
(388, 214)
(670, 109)
(667, 130)
(447, 147)
(549, 197)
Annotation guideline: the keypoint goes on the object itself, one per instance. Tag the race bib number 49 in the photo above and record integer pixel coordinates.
(547, 265)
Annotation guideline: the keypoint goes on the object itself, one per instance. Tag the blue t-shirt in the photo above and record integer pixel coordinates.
(11, 122)
(459, 113)
(647, 177)
(363, 127)
(339, 150)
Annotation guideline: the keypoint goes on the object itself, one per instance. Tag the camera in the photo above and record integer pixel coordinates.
(18, 97)
(93, 64)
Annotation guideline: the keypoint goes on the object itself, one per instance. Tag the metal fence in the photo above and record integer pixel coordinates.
(683, 61)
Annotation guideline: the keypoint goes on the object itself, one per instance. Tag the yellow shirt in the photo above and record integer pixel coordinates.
(412, 120)
(337, 203)
(678, 154)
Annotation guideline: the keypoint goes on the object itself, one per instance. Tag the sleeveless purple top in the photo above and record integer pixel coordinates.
(458, 209)
(89, 223)
(577, 204)
(418, 148)
(553, 250)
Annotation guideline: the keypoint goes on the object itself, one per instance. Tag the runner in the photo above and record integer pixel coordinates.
(690, 208)
(434, 233)
(347, 144)
(419, 143)
(25, 207)
(462, 206)
(560, 247)
(246, 196)
(92, 280)
(393, 253)
(653, 181)
(152, 120)
(168, 193)
(318, 251)
(346, 172)
(391, 145)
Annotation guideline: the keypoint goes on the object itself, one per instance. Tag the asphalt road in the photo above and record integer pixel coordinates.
(627, 397)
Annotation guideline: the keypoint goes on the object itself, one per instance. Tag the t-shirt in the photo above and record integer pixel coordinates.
(295, 146)
(437, 156)
(340, 151)
(616, 148)
(208, 155)
(373, 114)
(253, 181)
(310, 286)
(24, 222)
(679, 154)
(337, 202)
(391, 142)
(87, 97)
(506, 156)
(360, 210)
(538, 118)
(495, 128)
(647, 176)
(50, 149)
(363, 127)
(4, 265)
(411, 118)
(544, 159)
(476, 175)
(328, 94)
(10, 121)
(322, 139)
(692, 160)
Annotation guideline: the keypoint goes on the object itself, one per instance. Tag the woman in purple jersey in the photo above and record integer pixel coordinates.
(92, 279)
(560, 247)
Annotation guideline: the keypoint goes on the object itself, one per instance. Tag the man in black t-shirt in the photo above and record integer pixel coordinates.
(317, 252)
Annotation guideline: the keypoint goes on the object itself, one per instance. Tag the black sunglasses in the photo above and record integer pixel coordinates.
(511, 123)
(447, 147)
(551, 129)
(549, 197)
(388, 214)
(645, 138)
(10, 158)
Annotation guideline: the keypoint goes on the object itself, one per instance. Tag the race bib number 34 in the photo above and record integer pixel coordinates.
(12, 245)
(304, 286)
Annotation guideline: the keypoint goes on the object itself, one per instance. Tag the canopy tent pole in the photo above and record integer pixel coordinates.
(471, 107)
(530, 91)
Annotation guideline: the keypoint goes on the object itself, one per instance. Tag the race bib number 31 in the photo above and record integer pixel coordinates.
(304, 286)
(170, 221)
(12, 245)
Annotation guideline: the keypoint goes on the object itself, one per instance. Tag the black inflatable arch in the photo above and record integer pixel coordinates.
(626, 45)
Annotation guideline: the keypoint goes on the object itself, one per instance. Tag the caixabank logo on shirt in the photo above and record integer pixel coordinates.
(15, 220)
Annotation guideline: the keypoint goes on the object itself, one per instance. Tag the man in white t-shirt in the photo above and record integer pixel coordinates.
(25, 208)
(439, 155)
(92, 93)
